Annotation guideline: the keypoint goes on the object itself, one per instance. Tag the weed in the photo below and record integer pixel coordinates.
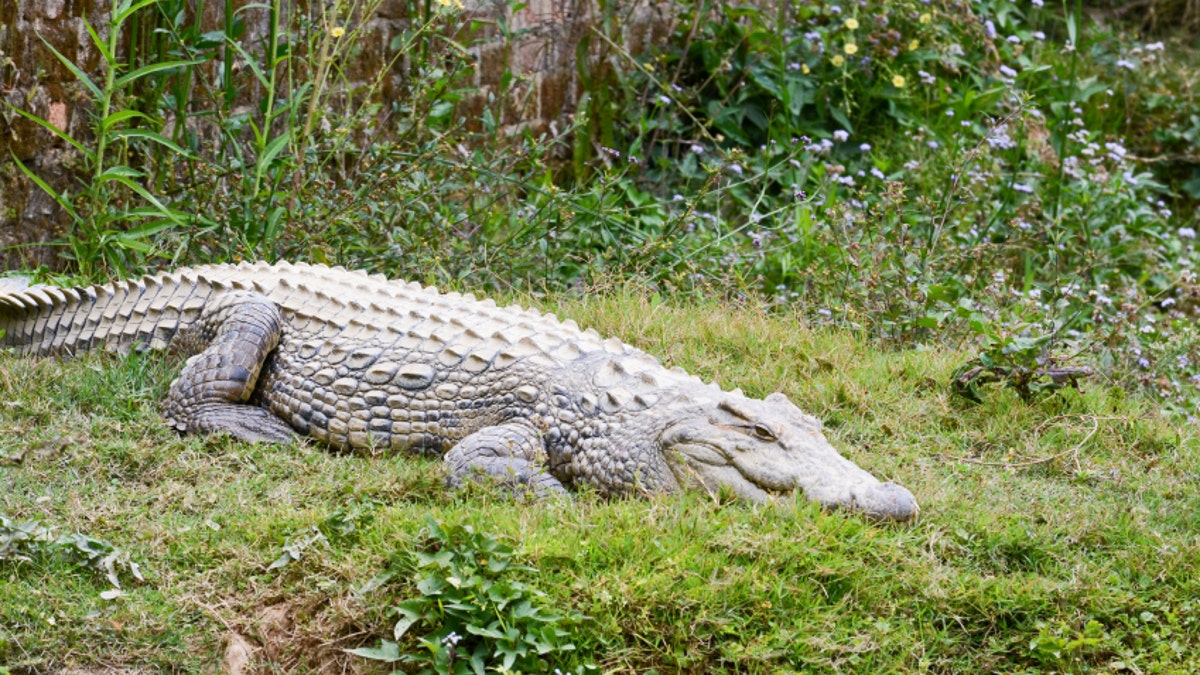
(478, 614)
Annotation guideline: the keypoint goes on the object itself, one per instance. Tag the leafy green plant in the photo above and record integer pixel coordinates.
(114, 216)
(477, 613)
(25, 541)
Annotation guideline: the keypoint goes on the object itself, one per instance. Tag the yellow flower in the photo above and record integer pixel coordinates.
(926, 17)
(850, 48)
(456, 4)
(805, 69)
(337, 31)
(898, 81)
(912, 46)
(851, 23)
(837, 60)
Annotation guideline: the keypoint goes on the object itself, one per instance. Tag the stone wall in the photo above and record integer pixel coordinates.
(541, 47)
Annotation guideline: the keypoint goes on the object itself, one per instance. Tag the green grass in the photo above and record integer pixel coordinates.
(1056, 535)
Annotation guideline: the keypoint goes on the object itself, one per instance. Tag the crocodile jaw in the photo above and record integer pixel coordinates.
(718, 450)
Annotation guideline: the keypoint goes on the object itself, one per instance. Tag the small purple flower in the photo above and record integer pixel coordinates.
(989, 28)
(865, 147)
(841, 135)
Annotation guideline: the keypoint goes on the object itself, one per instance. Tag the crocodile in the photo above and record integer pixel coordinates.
(360, 362)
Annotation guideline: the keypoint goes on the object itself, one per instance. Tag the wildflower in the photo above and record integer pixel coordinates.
(837, 60)
(1187, 233)
(898, 81)
(1007, 72)
(877, 173)
(1126, 64)
(1039, 35)
(1013, 40)
(834, 9)
(1167, 302)
(950, 113)
(989, 28)
(933, 145)
(337, 32)
(664, 99)
(865, 147)
(1037, 3)
(1021, 187)
(804, 68)
(697, 148)
(1154, 47)
(736, 168)
(841, 135)
(925, 18)
(851, 24)
(456, 4)
(850, 48)
(914, 45)
(824, 312)
(793, 66)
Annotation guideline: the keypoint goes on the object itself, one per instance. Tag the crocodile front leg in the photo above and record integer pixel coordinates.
(510, 452)
(234, 335)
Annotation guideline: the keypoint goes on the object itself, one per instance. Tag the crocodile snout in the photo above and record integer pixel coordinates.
(882, 501)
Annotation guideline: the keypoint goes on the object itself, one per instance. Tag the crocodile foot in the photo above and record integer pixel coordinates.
(507, 453)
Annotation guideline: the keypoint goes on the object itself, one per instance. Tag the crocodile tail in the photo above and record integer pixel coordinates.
(141, 313)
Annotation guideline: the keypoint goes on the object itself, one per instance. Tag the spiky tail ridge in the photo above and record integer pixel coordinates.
(142, 313)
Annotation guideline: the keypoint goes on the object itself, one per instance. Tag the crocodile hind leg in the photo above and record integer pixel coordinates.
(233, 338)
(511, 453)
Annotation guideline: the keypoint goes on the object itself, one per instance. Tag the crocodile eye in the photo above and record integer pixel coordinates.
(764, 432)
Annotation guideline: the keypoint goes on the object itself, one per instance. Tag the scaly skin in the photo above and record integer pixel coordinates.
(357, 361)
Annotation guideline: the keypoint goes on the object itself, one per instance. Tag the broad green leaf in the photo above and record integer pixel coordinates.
(116, 118)
(153, 68)
(387, 652)
(123, 15)
(154, 137)
(272, 150)
(61, 199)
(45, 124)
(79, 74)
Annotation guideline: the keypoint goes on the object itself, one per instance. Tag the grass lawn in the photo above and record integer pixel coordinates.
(1056, 535)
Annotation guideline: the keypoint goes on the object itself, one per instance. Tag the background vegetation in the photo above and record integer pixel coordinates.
(965, 194)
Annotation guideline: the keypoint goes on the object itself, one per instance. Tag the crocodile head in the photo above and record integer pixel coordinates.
(763, 448)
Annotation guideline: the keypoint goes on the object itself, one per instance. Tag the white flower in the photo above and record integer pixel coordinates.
(865, 147)
(1039, 35)
(1187, 233)
(841, 135)
(1021, 187)
(1154, 47)
(664, 99)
